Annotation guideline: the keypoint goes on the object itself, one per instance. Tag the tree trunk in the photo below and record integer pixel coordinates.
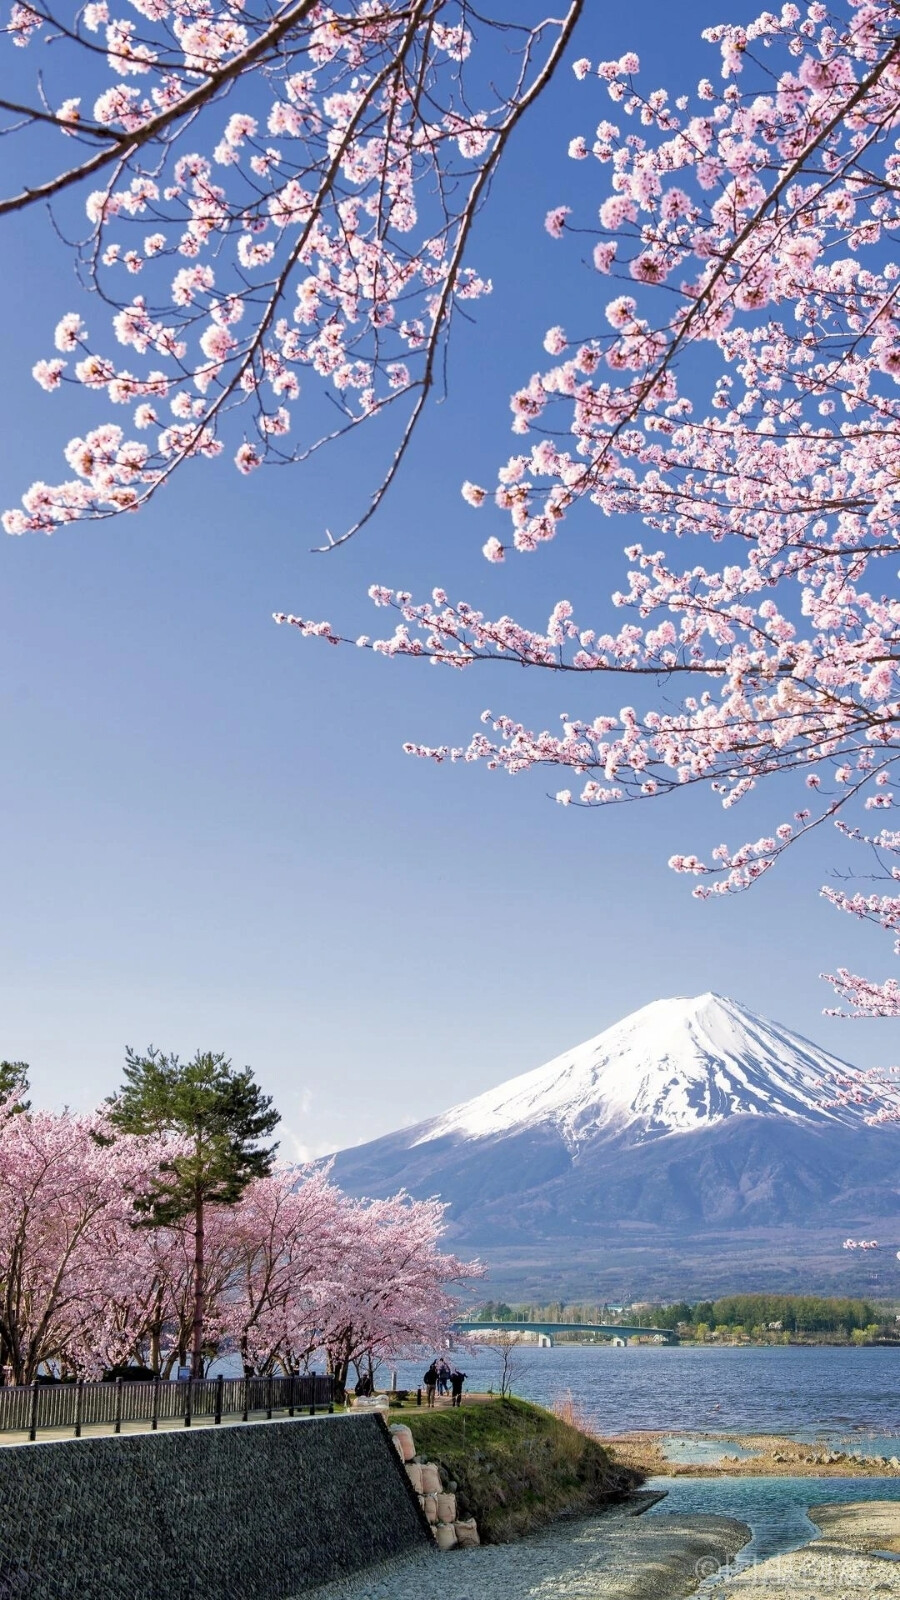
(197, 1339)
(156, 1335)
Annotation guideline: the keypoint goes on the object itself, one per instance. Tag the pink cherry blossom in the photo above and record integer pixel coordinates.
(741, 401)
(354, 222)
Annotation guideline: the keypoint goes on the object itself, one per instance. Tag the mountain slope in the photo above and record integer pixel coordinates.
(666, 1140)
(673, 1066)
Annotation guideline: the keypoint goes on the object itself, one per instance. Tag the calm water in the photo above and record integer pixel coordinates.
(775, 1508)
(851, 1397)
(847, 1398)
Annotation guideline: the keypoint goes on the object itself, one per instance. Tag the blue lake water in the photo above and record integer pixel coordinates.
(846, 1396)
(775, 1508)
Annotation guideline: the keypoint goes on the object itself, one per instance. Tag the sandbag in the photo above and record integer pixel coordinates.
(429, 1506)
(446, 1508)
(402, 1435)
(445, 1537)
(414, 1474)
(431, 1478)
(466, 1533)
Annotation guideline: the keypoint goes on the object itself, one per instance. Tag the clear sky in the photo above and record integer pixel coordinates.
(210, 834)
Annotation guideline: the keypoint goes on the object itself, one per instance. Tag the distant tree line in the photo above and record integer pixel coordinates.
(755, 1315)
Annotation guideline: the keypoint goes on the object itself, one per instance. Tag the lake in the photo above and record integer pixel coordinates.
(847, 1396)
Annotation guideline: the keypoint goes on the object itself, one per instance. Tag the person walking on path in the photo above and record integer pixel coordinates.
(430, 1381)
(443, 1374)
(457, 1379)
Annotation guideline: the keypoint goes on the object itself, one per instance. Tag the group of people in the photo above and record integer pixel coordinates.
(439, 1378)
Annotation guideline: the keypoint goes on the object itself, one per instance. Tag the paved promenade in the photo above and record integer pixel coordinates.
(170, 1425)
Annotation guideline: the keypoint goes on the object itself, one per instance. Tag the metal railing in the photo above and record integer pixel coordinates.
(29, 1408)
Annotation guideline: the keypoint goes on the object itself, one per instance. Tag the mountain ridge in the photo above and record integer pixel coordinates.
(666, 1141)
(672, 1066)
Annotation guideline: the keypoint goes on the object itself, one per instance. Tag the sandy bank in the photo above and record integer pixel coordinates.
(611, 1557)
(838, 1565)
(773, 1457)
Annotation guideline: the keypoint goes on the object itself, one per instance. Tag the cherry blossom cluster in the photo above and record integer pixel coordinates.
(295, 1270)
(272, 197)
(739, 392)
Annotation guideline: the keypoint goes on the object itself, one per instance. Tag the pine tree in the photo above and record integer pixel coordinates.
(14, 1082)
(221, 1115)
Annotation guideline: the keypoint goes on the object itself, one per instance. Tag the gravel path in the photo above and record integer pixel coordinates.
(612, 1557)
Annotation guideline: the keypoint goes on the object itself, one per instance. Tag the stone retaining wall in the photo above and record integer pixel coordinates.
(256, 1512)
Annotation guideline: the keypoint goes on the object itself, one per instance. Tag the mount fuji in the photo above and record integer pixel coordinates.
(692, 1148)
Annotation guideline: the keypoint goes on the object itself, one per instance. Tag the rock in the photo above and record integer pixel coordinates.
(431, 1478)
(403, 1439)
(445, 1536)
(414, 1474)
(895, 1462)
(466, 1533)
(446, 1508)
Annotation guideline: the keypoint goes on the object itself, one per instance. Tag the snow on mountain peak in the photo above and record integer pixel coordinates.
(672, 1066)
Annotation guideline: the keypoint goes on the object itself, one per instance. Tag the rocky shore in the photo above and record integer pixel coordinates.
(620, 1557)
(615, 1556)
(767, 1456)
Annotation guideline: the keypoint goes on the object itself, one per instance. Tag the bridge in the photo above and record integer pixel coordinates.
(548, 1329)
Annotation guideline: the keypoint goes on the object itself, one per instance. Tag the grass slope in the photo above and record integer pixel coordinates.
(517, 1466)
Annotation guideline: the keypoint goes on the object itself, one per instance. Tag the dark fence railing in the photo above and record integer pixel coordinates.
(33, 1407)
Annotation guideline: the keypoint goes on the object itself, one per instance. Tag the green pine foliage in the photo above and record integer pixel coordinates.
(220, 1118)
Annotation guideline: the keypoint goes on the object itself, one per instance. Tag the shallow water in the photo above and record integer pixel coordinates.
(845, 1397)
(698, 1452)
(775, 1508)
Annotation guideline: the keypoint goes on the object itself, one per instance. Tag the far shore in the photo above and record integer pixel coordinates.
(794, 1342)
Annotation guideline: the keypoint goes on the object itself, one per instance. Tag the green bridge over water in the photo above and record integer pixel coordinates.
(548, 1329)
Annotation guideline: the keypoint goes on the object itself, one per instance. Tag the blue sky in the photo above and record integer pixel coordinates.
(210, 834)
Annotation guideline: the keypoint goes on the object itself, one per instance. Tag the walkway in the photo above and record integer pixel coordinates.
(166, 1425)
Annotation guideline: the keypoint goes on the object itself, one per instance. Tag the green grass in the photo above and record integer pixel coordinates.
(517, 1466)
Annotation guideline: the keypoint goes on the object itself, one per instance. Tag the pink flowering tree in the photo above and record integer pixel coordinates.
(146, 1315)
(263, 197)
(390, 1293)
(739, 397)
(286, 1235)
(65, 1201)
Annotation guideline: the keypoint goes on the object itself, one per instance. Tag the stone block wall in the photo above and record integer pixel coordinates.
(262, 1511)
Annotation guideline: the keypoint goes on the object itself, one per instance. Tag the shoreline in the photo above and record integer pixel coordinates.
(611, 1556)
(616, 1557)
(850, 1558)
(771, 1456)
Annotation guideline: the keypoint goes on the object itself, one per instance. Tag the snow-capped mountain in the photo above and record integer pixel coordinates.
(692, 1147)
(672, 1067)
